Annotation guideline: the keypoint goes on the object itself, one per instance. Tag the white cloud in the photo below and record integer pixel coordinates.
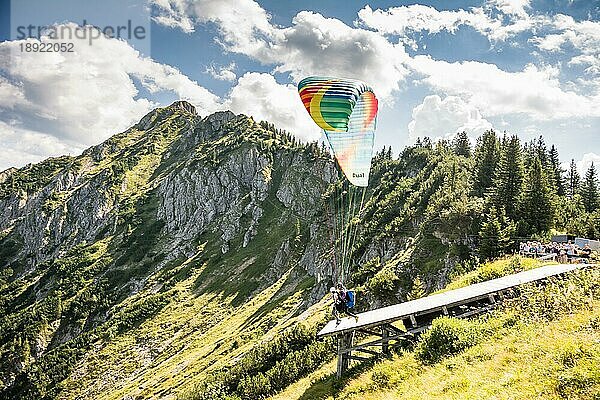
(415, 18)
(312, 45)
(436, 118)
(260, 96)
(245, 26)
(534, 91)
(83, 97)
(242, 23)
(12, 95)
(511, 7)
(89, 94)
(315, 45)
(21, 146)
(173, 14)
(67, 101)
(224, 73)
(584, 36)
(550, 43)
(405, 20)
(586, 161)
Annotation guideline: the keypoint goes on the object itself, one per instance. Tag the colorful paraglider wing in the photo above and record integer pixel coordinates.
(346, 110)
(353, 149)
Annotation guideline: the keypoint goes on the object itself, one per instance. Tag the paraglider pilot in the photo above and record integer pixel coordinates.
(343, 302)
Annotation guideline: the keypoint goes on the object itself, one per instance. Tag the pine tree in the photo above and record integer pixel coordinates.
(495, 234)
(491, 237)
(573, 179)
(556, 172)
(537, 205)
(25, 351)
(589, 190)
(324, 149)
(461, 144)
(508, 179)
(486, 157)
(442, 146)
(418, 289)
(541, 152)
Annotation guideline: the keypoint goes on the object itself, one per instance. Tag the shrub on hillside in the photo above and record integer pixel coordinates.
(293, 367)
(384, 283)
(213, 389)
(493, 270)
(557, 297)
(262, 357)
(268, 367)
(447, 336)
(366, 270)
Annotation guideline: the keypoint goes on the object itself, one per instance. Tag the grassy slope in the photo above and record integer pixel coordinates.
(200, 319)
(523, 362)
(191, 335)
(526, 358)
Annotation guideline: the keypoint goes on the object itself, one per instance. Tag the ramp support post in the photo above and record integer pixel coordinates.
(344, 343)
(385, 333)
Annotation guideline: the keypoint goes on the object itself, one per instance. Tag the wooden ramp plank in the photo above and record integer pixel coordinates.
(438, 301)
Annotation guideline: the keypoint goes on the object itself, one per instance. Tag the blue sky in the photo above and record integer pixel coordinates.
(438, 67)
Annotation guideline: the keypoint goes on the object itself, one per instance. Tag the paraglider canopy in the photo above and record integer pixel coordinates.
(346, 110)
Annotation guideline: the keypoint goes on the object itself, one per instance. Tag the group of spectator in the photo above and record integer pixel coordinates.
(561, 252)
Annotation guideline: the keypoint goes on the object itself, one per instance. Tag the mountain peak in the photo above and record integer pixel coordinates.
(220, 117)
(183, 105)
(160, 114)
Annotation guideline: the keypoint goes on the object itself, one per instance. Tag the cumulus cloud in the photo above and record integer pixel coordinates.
(173, 14)
(551, 43)
(224, 73)
(583, 36)
(20, 146)
(67, 101)
(586, 161)
(259, 95)
(417, 18)
(443, 118)
(312, 45)
(511, 7)
(406, 20)
(315, 45)
(11, 94)
(243, 24)
(534, 91)
(537, 90)
(85, 96)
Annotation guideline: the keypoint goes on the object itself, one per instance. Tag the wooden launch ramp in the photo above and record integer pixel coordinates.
(417, 315)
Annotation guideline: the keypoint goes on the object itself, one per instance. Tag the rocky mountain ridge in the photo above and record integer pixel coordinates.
(170, 253)
(84, 236)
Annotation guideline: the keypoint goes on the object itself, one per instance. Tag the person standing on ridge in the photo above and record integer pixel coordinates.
(343, 301)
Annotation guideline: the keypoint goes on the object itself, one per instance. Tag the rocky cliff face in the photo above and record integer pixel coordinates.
(82, 239)
(194, 191)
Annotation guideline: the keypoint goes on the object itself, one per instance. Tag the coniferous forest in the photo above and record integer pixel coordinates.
(502, 189)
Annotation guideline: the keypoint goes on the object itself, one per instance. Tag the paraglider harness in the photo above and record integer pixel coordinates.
(343, 302)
